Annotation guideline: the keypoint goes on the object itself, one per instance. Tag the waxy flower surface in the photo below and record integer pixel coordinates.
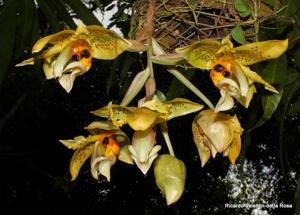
(106, 144)
(142, 119)
(217, 132)
(70, 52)
(229, 69)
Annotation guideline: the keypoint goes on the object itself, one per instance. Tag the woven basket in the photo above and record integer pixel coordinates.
(178, 22)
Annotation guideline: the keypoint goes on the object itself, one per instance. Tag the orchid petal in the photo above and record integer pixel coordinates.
(245, 101)
(48, 68)
(234, 149)
(168, 59)
(180, 107)
(135, 86)
(201, 54)
(156, 105)
(77, 143)
(256, 78)
(203, 150)
(242, 79)
(143, 150)
(53, 39)
(29, 61)
(142, 119)
(259, 51)
(226, 102)
(118, 114)
(67, 80)
(101, 125)
(105, 44)
(62, 59)
(219, 132)
(125, 155)
(79, 158)
(143, 142)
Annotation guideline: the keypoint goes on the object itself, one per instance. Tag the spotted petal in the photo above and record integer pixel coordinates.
(79, 158)
(180, 107)
(53, 39)
(259, 51)
(118, 114)
(105, 44)
(203, 150)
(201, 54)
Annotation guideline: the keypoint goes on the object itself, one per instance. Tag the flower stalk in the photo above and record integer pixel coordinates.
(165, 133)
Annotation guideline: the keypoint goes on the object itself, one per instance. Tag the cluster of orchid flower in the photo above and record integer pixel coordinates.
(69, 54)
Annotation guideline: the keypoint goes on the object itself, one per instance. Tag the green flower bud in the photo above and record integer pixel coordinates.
(170, 176)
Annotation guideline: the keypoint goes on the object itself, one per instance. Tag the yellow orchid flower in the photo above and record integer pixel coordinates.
(229, 69)
(147, 114)
(142, 119)
(217, 132)
(104, 146)
(70, 52)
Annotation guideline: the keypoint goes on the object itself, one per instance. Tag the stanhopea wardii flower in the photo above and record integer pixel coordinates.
(229, 69)
(170, 174)
(215, 132)
(70, 52)
(105, 145)
(142, 120)
(149, 113)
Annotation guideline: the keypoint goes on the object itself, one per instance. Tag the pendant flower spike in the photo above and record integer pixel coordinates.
(106, 144)
(229, 69)
(70, 52)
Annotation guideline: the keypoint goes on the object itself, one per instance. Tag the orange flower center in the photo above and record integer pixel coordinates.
(221, 69)
(112, 146)
(82, 53)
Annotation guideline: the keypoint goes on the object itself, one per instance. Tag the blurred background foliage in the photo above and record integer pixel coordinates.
(34, 113)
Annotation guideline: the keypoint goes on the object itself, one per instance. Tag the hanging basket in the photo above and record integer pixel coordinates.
(180, 22)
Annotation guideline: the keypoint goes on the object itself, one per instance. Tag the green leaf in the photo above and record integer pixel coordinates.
(289, 92)
(297, 58)
(25, 22)
(294, 37)
(62, 12)
(242, 8)
(238, 34)
(269, 2)
(275, 72)
(270, 104)
(51, 17)
(294, 108)
(82, 12)
(8, 33)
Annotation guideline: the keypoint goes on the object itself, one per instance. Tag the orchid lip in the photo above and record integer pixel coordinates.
(227, 81)
(242, 79)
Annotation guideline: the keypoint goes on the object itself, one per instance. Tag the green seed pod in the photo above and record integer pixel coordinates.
(170, 176)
